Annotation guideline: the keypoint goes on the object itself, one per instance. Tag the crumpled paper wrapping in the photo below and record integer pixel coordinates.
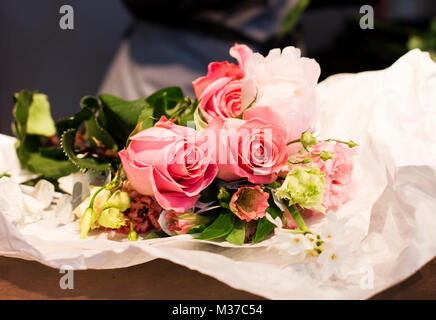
(391, 217)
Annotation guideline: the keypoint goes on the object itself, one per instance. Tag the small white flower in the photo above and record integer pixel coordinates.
(294, 247)
(333, 230)
(335, 261)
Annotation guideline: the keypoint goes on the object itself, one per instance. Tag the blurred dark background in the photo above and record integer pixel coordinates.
(68, 64)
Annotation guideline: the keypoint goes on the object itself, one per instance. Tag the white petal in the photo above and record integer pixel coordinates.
(33, 209)
(44, 192)
(64, 210)
(11, 200)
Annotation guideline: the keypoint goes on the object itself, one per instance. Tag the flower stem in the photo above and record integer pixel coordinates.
(293, 141)
(91, 204)
(297, 218)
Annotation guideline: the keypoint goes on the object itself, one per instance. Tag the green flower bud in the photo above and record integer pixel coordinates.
(325, 155)
(223, 194)
(351, 144)
(133, 235)
(304, 186)
(112, 218)
(307, 160)
(87, 221)
(307, 139)
(274, 185)
(119, 199)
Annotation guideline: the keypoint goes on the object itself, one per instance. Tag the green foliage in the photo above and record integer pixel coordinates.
(237, 236)
(89, 105)
(99, 136)
(84, 163)
(221, 227)
(39, 120)
(32, 125)
(119, 116)
(50, 168)
(264, 227)
(171, 103)
(91, 138)
(292, 17)
(425, 41)
(155, 234)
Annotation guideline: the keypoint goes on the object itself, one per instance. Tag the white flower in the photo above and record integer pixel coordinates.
(336, 261)
(294, 247)
(285, 82)
(333, 229)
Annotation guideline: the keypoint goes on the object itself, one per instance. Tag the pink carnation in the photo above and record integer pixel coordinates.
(338, 172)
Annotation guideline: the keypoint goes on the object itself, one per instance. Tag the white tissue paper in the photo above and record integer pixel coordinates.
(384, 234)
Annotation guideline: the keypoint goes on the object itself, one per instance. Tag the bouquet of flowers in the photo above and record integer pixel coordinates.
(237, 164)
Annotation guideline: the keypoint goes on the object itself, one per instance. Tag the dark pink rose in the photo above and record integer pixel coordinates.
(219, 92)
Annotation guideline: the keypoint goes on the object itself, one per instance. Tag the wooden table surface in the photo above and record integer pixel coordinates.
(158, 279)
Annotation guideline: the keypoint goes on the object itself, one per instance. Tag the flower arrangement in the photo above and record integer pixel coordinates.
(238, 163)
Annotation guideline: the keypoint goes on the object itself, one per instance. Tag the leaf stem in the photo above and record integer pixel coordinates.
(293, 141)
(91, 204)
(297, 218)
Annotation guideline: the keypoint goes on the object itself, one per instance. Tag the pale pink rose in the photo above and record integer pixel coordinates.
(285, 82)
(172, 163)
(252, 149)
(249, 203)
(219, 92)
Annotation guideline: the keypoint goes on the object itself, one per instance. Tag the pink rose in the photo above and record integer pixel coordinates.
(286, 82)
(252, 149)
(171, 163)
(219, 92)
(249, 203)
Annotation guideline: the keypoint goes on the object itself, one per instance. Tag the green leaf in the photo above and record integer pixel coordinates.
(39, 120)
(26, 144)
(171, 103)
(98, 135)
(264, 227)
(155, 234)
(197, 229)
(50, 168)
(120, 117)
(145, 121)
(74, 122)
(146, 118)
(221, 227)
(292, 17)
(85, 163)
(89, 102)
(237, 236)
(22, 102)
(164, 101)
